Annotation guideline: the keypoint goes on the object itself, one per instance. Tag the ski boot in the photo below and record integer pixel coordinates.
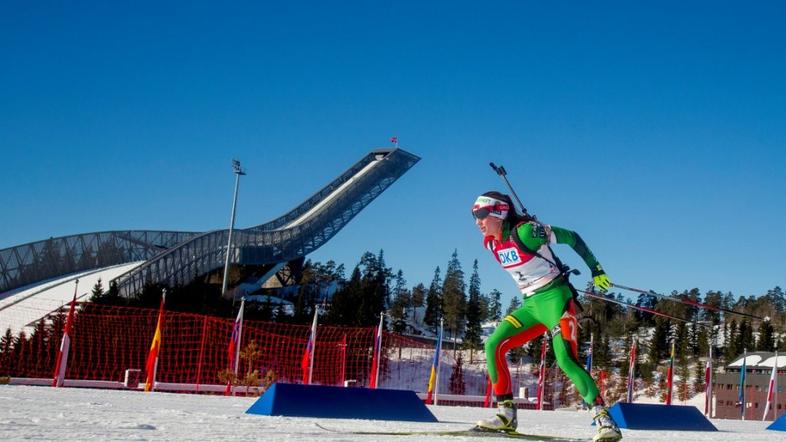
(607, 428)
(503, 421)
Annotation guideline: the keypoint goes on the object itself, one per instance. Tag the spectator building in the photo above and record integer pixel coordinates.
(758, 369)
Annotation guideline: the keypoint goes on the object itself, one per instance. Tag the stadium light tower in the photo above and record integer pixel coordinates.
(238, 171)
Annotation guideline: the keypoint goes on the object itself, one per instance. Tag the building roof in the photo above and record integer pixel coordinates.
(759, 359)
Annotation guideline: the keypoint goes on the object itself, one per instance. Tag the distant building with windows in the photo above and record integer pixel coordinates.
(758, 368)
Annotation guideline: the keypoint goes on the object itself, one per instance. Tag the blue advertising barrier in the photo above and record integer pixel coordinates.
(660, 417)
(341, 403)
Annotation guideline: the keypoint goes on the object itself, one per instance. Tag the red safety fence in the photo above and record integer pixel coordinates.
(108, 340)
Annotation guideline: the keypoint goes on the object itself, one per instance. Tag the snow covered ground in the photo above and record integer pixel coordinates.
(44, 413)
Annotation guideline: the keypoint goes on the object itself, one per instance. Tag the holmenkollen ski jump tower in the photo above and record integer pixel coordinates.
(37, 278)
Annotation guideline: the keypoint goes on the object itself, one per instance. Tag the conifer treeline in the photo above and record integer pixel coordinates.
(463, 306)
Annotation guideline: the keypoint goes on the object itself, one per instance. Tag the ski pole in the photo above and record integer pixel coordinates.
(639, 308)
(500, 170)
(688, 302)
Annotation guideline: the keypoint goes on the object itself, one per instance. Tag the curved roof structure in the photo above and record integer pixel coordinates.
(173, 258)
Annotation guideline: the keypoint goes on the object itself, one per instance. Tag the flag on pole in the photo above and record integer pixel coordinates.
(487, 399)
(65, 345)
(233, 351)
(307, 362)
(602, 384)
(708, 385)
(432, 379)
(588, 362)
(542, 371)
(375, 360)
(155, 348)
(741, 395)
(773, 386)
(394, 140)
(631, 371)
(670, 376)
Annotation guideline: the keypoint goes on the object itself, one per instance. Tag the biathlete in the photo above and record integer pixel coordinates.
(521, 245)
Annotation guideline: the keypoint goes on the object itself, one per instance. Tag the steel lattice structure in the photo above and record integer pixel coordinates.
(41, 260)
(174, 258)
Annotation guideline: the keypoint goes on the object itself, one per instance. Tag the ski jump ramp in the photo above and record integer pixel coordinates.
(37, 278)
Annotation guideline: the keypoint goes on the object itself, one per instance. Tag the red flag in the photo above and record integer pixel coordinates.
(152, 357)
(772, 387)
(542, 374)
(233, 351)
(65, 345)
(602, 382)
(487, 399)
(670, 376)
(631, 372)
(708, 384)
(377, 356)
(307, 361)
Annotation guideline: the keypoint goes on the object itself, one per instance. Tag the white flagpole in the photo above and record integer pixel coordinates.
(239, 334)
(313, 346)
(772, 387)
(436, 381)
(379, 352)
(708, 387)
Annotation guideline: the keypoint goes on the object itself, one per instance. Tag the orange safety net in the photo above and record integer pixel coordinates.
(108, 340)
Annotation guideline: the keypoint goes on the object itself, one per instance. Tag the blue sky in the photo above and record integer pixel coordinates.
(655, 130)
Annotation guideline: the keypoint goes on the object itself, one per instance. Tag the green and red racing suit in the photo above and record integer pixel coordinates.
(547, 306)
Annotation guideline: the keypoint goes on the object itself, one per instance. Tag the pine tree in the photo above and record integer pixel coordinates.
(732, 346)
(399, 306)
(472, 334)
(745, 337)
(418, 299)
(495, 306)
(702, 342)
(483, 304)
(766, 341)
(98, 292)
(454, 297)
(698, 376)
(658, 345)
(457, 384)
(434, 302)
(601, 354)
(683, 389)
(6, 348)
(374, 287)
(344, 307)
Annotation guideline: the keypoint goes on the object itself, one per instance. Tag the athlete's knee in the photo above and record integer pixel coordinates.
(562, 354)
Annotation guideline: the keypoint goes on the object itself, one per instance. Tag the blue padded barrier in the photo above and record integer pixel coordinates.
(660, 417)
(779, 424)
(341, 403)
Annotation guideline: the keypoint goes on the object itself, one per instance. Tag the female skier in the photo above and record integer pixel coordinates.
(521, 245)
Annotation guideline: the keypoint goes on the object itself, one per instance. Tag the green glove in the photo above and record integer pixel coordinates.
(602, 282)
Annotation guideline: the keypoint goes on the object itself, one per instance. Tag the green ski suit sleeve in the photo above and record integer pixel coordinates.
(534, 235)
